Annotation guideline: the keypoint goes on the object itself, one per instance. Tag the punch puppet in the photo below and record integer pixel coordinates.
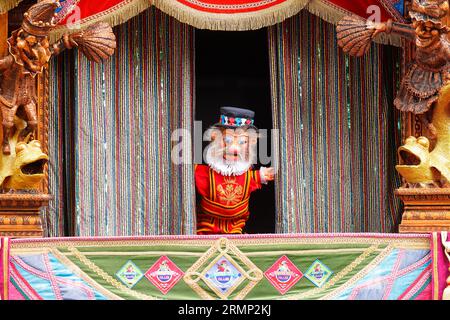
(227, 181)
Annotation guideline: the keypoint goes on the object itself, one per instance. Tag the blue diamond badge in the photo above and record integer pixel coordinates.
(223, 275)
(129, 274)
(318, 273)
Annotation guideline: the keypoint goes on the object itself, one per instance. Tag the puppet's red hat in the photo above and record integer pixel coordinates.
(40, 18)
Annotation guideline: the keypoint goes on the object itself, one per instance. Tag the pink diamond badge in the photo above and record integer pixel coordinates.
(283, 275)
(164, 274)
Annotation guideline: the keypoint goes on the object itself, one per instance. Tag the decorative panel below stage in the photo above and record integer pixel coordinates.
(294, 267)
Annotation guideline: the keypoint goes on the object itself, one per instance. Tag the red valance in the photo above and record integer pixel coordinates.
(217, 14)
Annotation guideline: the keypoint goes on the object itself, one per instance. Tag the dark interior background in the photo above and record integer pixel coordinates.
(232, 69)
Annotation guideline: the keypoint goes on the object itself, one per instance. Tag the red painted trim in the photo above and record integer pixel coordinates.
(223, 6)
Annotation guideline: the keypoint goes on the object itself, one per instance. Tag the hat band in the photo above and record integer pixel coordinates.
(235, 122)
(39, 31)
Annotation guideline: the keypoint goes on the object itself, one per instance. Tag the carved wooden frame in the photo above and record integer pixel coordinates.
(425, 210)
(20, 214)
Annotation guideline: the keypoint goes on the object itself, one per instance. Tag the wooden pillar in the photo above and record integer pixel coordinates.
(425, 209)
(3, 33)
(3, 44)
(20, 213)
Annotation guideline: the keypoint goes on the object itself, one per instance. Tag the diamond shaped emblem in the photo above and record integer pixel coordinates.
(283, 274)
(164, 274)
(224, 275)
(318, 273)
(223, 268)
(129, 274)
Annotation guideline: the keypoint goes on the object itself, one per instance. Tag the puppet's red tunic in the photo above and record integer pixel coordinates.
(224, 200)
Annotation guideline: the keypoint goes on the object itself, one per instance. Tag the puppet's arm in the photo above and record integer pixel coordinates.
(355, 34)
(445, 49)
(97, 42)
(6, 62)
(66, 42)
(401, 29)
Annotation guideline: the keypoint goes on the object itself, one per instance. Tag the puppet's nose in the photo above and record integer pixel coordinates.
(233, 150)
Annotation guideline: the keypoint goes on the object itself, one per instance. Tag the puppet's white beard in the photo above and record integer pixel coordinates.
(216, 161)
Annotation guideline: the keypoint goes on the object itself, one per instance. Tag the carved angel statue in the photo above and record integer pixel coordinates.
(30, 52)
(421, 87)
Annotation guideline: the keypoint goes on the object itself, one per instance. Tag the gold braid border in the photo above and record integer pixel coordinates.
(80, 273)
(360, 274)
(395, 242)
(337, 277)
(116, 284)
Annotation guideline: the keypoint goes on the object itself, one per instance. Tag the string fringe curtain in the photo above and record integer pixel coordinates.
(338, 131)
(124, 113)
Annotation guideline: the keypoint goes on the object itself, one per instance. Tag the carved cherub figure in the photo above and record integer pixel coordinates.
(424, 88)
(425, 9)
(30, 52)
(429, 72)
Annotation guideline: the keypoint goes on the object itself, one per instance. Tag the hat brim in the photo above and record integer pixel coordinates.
(245, 127)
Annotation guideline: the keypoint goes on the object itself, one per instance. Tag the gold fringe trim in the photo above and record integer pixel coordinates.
(333, 14)
(114, 16)
(6, 5)
(215, 21)
(231, 22)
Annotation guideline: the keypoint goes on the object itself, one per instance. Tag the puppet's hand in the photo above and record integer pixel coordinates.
(433, 131)
(267, 174)
(97, 42)
(382, 27)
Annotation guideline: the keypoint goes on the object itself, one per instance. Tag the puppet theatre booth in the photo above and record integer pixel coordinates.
(94, 206)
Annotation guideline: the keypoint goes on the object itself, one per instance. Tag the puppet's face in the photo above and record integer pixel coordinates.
(427, 33)
(33, 51)
(235, 145)
(232, 150)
